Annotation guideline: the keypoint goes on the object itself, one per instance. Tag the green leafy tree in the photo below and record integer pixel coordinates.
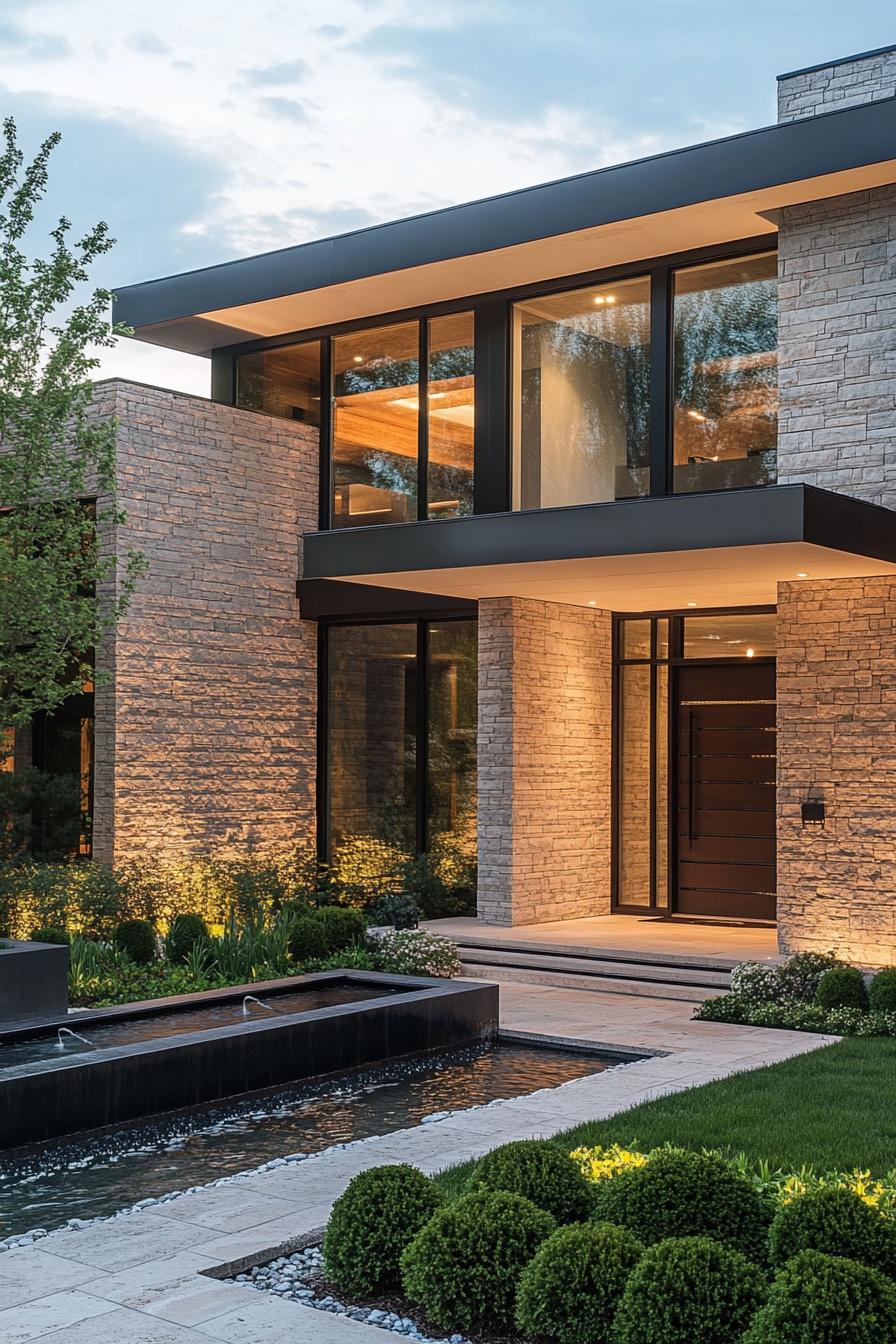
(59, 590)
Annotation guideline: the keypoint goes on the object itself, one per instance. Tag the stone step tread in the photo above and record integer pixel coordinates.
(596, 983)
(640, 957)
(522, 958)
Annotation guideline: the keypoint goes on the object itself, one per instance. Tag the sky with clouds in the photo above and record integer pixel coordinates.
(204, 131)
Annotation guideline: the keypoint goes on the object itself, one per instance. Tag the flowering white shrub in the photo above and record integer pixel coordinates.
(415, 952)
(756, 981)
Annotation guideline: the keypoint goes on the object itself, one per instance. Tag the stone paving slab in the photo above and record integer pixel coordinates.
(138, 1280)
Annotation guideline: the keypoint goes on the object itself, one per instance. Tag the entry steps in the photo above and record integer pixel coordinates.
(692, 979)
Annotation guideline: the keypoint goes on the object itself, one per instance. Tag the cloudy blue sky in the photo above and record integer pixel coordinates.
(204, 131)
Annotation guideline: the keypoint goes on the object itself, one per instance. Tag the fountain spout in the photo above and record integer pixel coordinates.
(250, 998)
(65, 1031)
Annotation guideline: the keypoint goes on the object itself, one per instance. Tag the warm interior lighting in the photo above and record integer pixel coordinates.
(599, 298)
(592, 604)
(801, 574)
(692, 604)
(697, 415)
(611, 298)
(751, 653)
(358, 359)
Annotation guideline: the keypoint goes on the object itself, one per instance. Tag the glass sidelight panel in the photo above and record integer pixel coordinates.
(450, 416)
(581, 395)
(372, 734)
(725, 391)
(284, 381)
(451, 741)
(376, 408)
(735, 634)
(634, 786)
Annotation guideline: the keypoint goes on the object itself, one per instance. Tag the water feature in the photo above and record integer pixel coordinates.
(250, 998)
(73, 1035)
(97, 1174)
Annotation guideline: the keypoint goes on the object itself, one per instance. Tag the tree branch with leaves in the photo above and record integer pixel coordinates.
(61, 590)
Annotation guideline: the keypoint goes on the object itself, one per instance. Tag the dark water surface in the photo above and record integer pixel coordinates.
(53, 1049)
(101, 1173)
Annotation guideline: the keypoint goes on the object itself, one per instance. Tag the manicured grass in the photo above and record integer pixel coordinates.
(833, 1109)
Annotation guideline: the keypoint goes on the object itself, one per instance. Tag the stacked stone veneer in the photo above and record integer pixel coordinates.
(206, 734)
(544, 760)
(837, 741)
(829, 88)
(837, 344)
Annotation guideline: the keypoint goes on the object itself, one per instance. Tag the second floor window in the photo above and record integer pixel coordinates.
(403, 422)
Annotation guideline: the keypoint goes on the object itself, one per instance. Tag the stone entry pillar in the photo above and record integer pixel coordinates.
(837, 741)
(544, 760)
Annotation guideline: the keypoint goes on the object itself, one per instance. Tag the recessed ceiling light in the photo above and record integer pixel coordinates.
(751, 653)
(692, 604)
(611, 298)
(359, 359)
(592, 604)
(801, 574)
(599, 298)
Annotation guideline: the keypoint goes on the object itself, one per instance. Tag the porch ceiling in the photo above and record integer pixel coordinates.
(712, 550)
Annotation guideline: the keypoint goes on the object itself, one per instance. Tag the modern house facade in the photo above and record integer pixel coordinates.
(558, 526)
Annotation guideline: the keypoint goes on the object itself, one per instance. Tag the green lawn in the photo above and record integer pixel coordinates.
(834, 1108)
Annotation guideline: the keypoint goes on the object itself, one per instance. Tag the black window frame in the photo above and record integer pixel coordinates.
(492, 315)
(421, 624)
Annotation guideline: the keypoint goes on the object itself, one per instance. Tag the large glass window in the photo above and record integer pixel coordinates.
(372, 735)
(388, 793)
(284, 381)
(726, 374)
(376, 409)
(450, 403)
(581, 362)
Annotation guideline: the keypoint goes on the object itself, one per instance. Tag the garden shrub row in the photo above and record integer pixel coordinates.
(810, 992)
(674, 1248)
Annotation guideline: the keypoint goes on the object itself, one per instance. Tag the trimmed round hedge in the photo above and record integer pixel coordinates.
(186, 931)
(342, 927)
(826, 1299)
(464, 1266)
(836, 1222)
(882, 994)
(137, 939)
(842, 987)
(682, 1194)
(689, 1290)
(570, 1291)
(541, 1172)
(373, 1220)
(306, 939)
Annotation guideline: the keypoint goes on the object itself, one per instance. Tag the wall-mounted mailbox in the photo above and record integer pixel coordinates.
(813, 814)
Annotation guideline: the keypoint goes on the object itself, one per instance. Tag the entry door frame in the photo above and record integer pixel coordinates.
(663, 887)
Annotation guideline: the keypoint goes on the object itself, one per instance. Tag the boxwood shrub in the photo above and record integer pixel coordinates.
(689, 1290)
(540, 1171)
(882, 994)
(373, 1220)
(571, 1290)
(307, 941)
(842, 987)
(682, 1194)
(341, 926)
(185, 932)
(50, 934)
(464, 1266)
(837, 1222)
(137, 939)
(826, 1299)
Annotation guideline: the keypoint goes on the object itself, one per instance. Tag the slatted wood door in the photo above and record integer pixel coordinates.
(725, 779)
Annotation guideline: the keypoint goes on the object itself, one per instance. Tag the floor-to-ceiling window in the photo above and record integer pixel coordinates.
(581, 370)
(282, 381)
(400, 760)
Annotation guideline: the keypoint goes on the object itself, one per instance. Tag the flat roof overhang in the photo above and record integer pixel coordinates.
(715, 550)
(690, 198)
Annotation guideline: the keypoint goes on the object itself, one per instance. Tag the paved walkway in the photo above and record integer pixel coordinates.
(138, 1280)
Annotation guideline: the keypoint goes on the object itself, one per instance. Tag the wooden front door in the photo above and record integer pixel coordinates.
(725, 780)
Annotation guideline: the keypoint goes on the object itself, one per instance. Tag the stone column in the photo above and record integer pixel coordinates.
(837, 741)
(206, 734)
(831, 88)
(544, 760)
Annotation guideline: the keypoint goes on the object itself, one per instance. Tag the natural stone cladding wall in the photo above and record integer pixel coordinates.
(846, 84)
(544, 763)
(837, 344)
(206, 735)
(837, 740)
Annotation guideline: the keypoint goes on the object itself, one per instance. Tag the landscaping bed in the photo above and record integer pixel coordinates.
(810, 992)
(540, 1243)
